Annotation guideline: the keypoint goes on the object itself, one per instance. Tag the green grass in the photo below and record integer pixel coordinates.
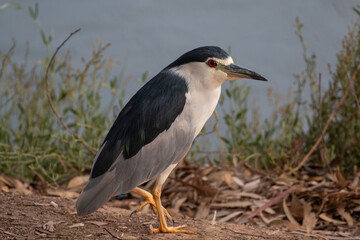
(34, 145)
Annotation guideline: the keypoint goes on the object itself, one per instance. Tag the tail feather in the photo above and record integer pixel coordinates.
(96, 193)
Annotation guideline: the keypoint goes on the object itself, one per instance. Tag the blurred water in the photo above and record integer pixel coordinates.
(149, 34)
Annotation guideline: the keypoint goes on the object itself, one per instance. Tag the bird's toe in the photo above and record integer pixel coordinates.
(166, 229)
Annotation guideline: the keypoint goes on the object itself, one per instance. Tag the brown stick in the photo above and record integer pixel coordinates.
(271, 202)
(113, 235)
(46, 79)
(332, 115)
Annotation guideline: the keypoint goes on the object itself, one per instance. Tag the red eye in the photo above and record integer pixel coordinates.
(212, 63)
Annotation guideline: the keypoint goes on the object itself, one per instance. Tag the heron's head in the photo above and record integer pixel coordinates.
(211, 66)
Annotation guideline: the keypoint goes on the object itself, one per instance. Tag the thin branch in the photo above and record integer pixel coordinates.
(7, 57)
(46, 79)
(332, 115)
(113, 235)
(272, 202)
(354, 94)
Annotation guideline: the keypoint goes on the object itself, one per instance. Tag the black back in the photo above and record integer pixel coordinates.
(149, 112)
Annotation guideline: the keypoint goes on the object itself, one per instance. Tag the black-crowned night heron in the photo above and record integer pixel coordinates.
(155, 130)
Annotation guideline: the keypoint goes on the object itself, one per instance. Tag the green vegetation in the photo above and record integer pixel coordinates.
(34, 144)
(281, 141)
(32, 140)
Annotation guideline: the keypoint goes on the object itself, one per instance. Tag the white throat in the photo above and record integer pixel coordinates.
(202, 97)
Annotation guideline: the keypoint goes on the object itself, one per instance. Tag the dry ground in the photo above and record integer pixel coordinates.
(43, 217)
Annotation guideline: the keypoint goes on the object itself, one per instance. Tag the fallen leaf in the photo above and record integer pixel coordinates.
(355, 183)
(252, 186)
(222, 212)
(7, 181)
(316, 178)
(202, 211)
(331, 177)
(296, 207)
(341, 180)
(41, 204)
(325, 217)
(40, 234)
(266, 221)
(237, 194)
(238, 204)
(238, 181)
(78, 181)
(260, 203)
(230, 216)
(288, 214)
(207, 171)
(61, 193)
(21, 187)
(179, 202)
(309, 220)
(357, 209)
(318, 185)
(229, 180)
(5, 189)
(341, 211)
(77, 225)
(221, 177)
(97, 223)
(284, 224)
(207, 190)
(269, 221)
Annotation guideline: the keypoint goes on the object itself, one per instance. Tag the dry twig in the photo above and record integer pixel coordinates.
(113, 235)
(46, 79)
(272, 202)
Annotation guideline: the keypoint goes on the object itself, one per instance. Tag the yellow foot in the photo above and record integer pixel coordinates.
(150, 200)
(171, 230)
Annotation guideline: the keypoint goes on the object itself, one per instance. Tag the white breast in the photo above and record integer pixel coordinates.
(201, 105)
(203, 95)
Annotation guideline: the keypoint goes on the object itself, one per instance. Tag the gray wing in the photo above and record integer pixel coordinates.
(125, 174)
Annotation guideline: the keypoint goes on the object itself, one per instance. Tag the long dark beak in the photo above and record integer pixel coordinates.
(235, 72)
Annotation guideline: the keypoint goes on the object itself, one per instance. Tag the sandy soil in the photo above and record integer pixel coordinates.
(43, 217)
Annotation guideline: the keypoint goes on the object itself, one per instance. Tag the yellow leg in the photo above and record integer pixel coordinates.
(149, 199)
(163, 228)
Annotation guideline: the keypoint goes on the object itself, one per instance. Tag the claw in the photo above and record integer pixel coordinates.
(149, 199)
(153, 207)
(168, 215)
(163, 228)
